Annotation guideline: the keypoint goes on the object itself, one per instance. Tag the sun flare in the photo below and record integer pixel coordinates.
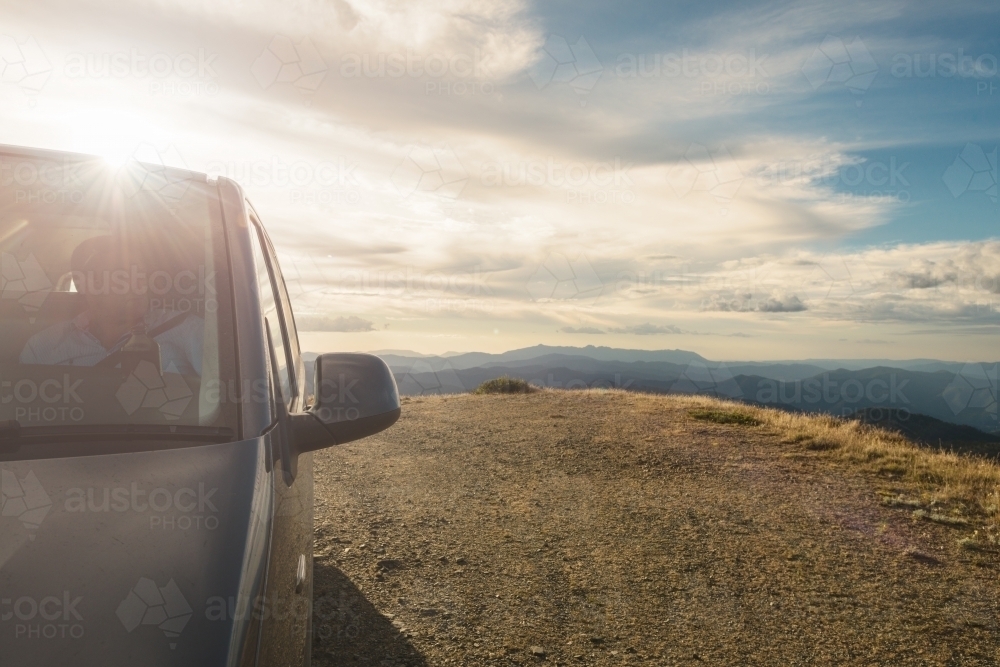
(113, 134)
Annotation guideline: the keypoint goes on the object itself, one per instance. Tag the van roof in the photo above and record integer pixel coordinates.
(67, 156)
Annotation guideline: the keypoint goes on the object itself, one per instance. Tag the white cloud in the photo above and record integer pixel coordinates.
(648, 329)
(350, 323)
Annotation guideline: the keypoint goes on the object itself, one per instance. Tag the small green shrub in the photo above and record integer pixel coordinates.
(505, 385)
(725, 417)
(821, 444)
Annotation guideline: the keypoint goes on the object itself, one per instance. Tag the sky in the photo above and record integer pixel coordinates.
(746, 180)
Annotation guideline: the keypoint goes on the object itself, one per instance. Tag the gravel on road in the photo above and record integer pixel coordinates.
(609, 528)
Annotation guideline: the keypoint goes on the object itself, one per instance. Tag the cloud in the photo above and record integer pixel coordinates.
(930, 274)
(750, 302)
(729, 303)
(778, 303)
(349, 324)
(581, 330)
(648, 329)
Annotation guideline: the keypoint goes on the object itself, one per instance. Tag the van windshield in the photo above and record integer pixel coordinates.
(111, 298)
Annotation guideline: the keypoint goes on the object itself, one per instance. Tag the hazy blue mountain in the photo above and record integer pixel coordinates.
(950, 392)
(844, 392)
(798, 368)
(927, 365)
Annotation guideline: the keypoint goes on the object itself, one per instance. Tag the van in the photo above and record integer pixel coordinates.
(156, 423)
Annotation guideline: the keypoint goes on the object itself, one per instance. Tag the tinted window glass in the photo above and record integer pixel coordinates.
(110, 298)
(272, 318)
(288, 319)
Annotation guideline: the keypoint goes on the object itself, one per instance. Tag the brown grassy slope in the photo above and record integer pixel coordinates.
(610, 528)
(948, 487)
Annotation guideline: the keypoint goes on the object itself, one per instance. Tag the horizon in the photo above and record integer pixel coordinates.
(776, 360)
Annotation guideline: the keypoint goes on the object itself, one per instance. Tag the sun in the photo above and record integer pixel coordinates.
(113, 134)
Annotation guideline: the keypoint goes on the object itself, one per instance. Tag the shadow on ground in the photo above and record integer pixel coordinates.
(349, 631)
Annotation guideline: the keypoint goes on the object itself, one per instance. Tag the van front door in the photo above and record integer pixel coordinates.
(286, 611)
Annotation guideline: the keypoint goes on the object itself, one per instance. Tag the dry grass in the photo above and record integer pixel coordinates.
(725, 417)
(949, 488)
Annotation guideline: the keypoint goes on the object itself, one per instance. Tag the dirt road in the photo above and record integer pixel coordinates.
(604, 528)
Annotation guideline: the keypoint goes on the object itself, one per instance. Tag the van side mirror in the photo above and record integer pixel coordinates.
(356, 396)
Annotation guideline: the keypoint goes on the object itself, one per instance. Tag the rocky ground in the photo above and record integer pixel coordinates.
(605, 528)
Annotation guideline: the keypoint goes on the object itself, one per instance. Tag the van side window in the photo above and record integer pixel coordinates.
(291, 333)
(269, 310)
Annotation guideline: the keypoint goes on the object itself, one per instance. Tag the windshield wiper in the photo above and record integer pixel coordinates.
(13, 433)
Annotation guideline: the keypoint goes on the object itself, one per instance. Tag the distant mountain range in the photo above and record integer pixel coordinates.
(951, 392)
(475, 359)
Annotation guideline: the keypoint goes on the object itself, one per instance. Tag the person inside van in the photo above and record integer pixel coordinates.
(113, 282)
